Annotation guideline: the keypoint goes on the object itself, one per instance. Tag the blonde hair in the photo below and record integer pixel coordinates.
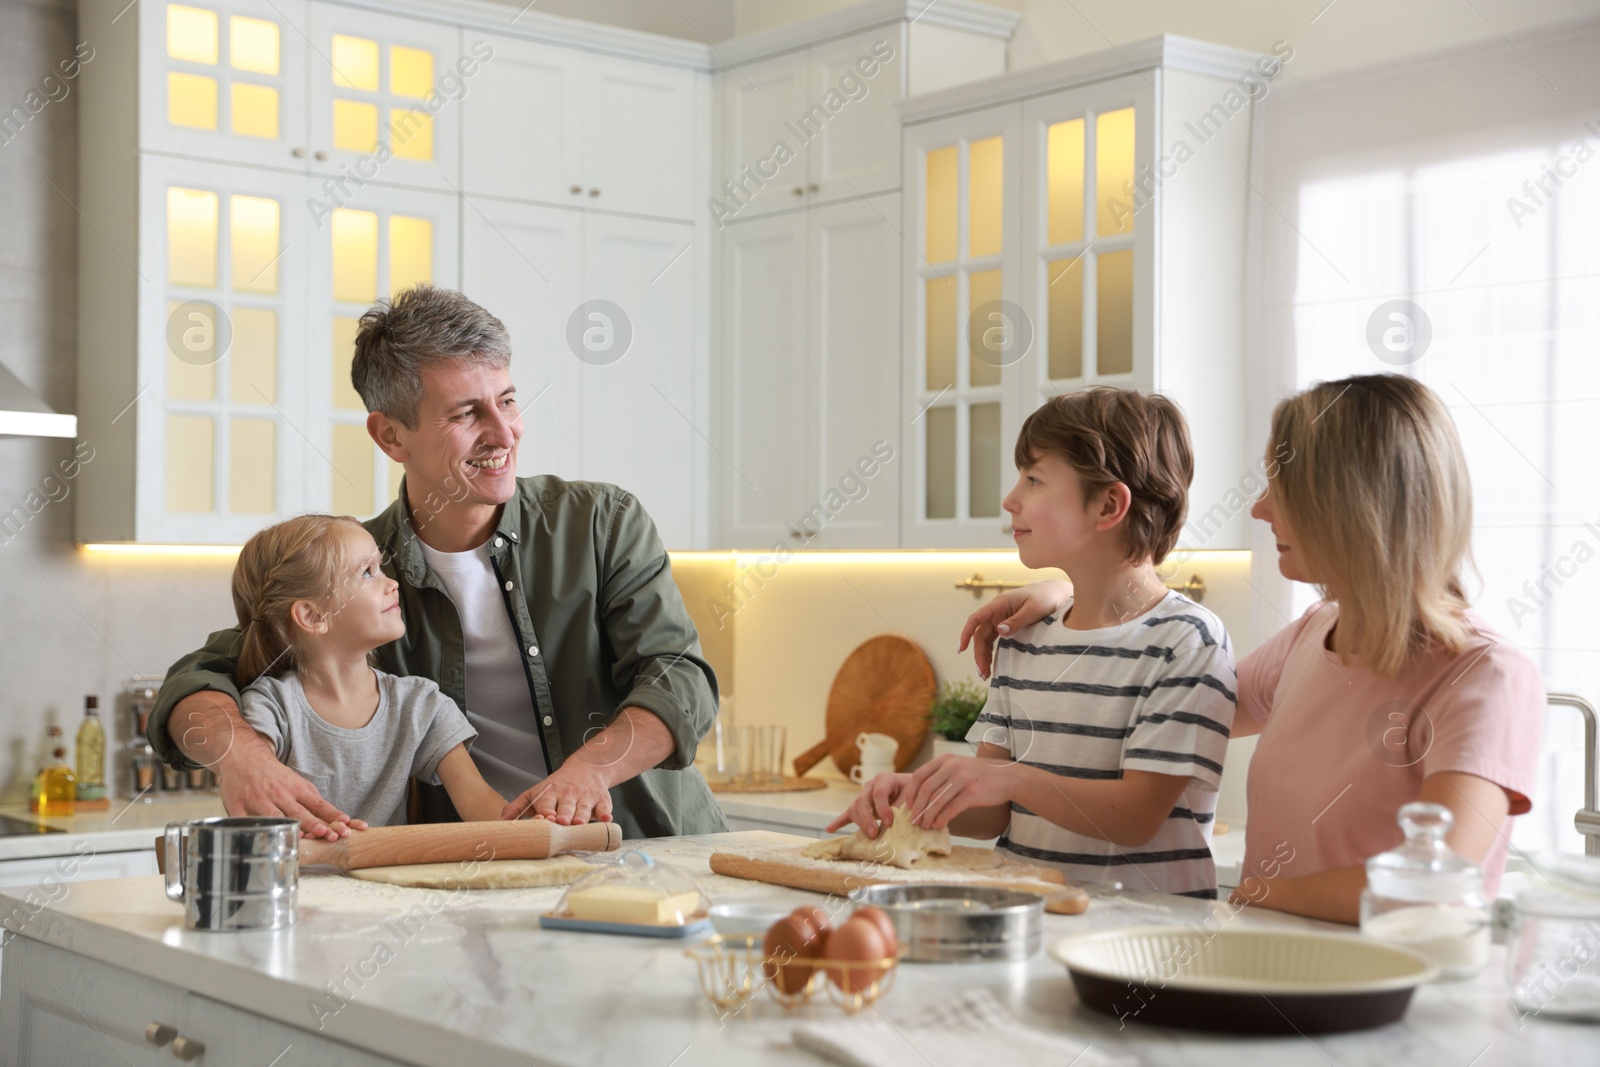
(296, 560)
(1376, 491)
(1111, 435)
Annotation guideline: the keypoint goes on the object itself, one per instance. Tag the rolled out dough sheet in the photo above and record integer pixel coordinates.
(488, 874)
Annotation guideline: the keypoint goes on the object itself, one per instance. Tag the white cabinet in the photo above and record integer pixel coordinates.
(385, 240)
(559, 126)
(348, 94)
(811, 126)
(383, 98)
(601, 312)
(239, 407)
(77, 867)
(60, 1008)
(961, 271)
(220, 79)
(524, 263)
(1069, 234)
(809, 376)
(761, 380)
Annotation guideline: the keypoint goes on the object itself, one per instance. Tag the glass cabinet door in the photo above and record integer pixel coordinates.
(385, 241)
(224, 80)
(221, 402)
(385, 101)
(966, 329)
(1089, 223)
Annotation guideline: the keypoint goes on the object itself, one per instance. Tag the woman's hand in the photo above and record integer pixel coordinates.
(874, 806)
(1008, 612)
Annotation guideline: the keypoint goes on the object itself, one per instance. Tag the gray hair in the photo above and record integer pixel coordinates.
(416, 327)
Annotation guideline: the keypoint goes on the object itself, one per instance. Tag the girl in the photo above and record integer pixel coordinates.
(314, 604)
(1388, 690)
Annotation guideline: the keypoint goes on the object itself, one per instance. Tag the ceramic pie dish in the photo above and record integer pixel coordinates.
(1243, 981)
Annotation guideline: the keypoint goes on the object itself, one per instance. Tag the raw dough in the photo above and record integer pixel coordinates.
(901, 844)
(489, 874)
(961, 858)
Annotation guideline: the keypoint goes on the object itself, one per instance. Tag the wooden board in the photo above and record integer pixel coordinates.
(885, 686)
(788, 867)
(790, 784)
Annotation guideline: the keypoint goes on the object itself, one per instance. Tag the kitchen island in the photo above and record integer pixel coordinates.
(378, 974)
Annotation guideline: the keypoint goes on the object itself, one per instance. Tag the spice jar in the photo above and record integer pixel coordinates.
(1426, 897)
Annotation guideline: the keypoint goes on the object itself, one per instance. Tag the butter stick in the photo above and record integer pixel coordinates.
(631, 904)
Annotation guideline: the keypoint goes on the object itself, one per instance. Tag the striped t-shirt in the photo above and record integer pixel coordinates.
(1155, 693)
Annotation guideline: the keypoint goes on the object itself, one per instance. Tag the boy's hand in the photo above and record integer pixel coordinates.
(1008, 612)
(874, 806)
(949, 785)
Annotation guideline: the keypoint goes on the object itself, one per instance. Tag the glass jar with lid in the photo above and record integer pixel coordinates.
(1553, 944)
(1426, 897)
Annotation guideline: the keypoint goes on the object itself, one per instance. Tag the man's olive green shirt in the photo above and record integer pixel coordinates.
(599, 621)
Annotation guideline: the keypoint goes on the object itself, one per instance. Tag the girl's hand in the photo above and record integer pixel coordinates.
(946, 786)
(1008, 612)
(874, 806)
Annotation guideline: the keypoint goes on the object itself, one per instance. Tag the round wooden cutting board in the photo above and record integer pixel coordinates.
(886, 686)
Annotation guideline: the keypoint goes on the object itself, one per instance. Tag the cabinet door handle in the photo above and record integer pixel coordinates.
(812, 187)
(322, 155)
(594, 192)
(187, 1048)
(798, 191)
(576, 190)
(298, 152)
(159, 1034)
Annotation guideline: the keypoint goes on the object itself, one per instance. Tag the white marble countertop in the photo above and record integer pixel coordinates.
(128, 826)
(474, 979)
(816, 808)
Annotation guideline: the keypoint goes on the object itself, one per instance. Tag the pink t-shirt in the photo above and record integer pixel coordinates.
(1342, 749)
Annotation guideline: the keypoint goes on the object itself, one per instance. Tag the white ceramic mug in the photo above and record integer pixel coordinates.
(870, 768)
(879, 746)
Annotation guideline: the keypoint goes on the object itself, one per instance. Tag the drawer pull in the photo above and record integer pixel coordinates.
(187, 1048)
(159, 1034)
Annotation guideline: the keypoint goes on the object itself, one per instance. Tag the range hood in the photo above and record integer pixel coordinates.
(22, 414)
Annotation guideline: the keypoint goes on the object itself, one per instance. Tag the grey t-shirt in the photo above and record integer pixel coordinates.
(361, 772)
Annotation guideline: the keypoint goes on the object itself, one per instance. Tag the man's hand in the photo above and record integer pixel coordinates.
(874, 806)
(572, 795)
(207, 727)
(949, 785)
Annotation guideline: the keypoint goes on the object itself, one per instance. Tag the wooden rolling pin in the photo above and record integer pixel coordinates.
(393, 846)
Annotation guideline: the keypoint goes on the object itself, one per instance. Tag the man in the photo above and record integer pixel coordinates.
(546, 609)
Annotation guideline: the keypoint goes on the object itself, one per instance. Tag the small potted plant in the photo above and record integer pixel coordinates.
(954, 710)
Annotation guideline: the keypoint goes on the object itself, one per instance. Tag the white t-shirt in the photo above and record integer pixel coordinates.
(499, 705)
(1155, 693)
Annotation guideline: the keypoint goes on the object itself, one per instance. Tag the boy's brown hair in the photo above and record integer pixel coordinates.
(1113, 435)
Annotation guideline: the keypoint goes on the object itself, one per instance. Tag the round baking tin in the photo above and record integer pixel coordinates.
(955, 923)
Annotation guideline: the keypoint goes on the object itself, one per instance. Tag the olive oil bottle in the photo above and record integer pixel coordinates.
(91, 752)
(58, 786)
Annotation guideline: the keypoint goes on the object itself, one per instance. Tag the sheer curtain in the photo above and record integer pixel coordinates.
(1464, 185)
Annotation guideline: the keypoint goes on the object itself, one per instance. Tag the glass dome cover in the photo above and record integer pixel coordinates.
(635, 889)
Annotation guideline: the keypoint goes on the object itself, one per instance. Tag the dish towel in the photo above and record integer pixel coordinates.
(971, 1028)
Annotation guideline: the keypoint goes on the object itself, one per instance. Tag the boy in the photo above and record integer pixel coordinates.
(1100, 749)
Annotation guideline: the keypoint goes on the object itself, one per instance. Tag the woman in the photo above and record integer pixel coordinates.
(1388, 690)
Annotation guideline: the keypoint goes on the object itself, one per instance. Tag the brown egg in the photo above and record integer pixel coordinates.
(857, 941)
(789, 939)
(883, 922)
(819, 920)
